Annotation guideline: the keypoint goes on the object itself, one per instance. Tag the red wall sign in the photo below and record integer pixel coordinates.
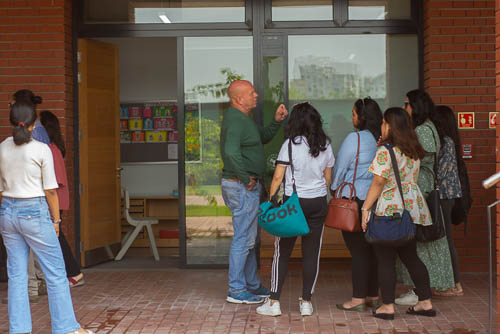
(466, 120)
(493, 120)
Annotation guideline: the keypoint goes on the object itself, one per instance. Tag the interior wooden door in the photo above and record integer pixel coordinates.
(99, 142)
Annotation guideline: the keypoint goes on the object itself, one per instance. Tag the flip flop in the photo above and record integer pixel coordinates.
(357, 308)
(425, 313)
(74, 283)
(383, 316)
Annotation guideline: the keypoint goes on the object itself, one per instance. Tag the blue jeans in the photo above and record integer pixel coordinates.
(25, 223)
(244, 205)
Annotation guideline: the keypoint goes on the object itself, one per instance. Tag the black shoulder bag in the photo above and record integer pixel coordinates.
(437, 229)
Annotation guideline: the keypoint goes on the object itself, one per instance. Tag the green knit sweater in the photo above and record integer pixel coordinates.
(242, 148)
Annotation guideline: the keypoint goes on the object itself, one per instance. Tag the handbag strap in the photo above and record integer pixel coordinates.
(291, 163)
(435, 167)
(396, 171)
(274, 199)
(356, 164)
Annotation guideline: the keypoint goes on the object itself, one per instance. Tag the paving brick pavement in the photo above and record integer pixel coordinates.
(193, 301)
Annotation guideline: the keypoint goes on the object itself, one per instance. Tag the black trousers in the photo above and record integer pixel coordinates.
(447, 206)
(315, 210)
(72, 267)
(386, 257)
(364, 262)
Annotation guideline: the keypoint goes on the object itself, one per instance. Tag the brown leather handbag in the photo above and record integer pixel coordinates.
(343, 214)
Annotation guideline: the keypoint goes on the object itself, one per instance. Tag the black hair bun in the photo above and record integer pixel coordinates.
(36, 99)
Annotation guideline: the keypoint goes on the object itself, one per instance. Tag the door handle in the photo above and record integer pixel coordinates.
(119, 169)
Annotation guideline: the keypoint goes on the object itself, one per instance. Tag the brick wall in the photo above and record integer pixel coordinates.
(459, 71)
(36, 53)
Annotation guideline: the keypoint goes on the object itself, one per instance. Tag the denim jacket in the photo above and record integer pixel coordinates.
(343, 170)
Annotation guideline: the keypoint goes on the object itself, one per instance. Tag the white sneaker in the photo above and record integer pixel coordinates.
(268, 309)
(306, 308)
(408, 299)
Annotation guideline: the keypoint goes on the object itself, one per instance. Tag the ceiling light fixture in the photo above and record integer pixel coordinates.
(164, 18)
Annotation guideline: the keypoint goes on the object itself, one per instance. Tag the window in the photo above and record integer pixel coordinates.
(332, 78)
(166, 11)
(302, 10)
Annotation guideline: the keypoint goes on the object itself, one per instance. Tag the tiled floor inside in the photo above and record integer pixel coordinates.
(193, 301)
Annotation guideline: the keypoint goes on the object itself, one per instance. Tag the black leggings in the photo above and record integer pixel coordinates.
(386, 257)
(315, 210)
(364, 262)
(72, 267)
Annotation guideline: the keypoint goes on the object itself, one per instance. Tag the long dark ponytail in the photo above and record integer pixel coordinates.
(51, 124)
(22, 116)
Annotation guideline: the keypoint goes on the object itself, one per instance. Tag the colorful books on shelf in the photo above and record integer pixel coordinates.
(148, 122)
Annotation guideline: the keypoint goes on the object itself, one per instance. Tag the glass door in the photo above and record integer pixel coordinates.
(210, 64)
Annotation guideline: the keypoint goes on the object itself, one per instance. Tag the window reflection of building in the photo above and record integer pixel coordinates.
(325, 78)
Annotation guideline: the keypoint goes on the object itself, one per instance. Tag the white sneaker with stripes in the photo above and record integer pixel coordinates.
(306, 308)
(268, 309)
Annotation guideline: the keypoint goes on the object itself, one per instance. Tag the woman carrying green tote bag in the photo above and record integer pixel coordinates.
(312, 159)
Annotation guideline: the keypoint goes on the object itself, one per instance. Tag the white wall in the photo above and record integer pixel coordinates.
(148, 72)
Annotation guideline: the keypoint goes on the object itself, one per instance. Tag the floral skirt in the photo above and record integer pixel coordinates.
(436, 257)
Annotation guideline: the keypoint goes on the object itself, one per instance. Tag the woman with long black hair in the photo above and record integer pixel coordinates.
(450, 167)
(58, 149)
(312, 159)
(435, 254)
(366, 119)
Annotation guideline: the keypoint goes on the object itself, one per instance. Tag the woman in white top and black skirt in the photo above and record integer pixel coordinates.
(29, 218)
(313, 160)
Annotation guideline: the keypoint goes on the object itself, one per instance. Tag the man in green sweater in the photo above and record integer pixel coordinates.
(244, 160)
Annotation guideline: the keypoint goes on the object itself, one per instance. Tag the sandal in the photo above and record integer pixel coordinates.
(425, 313)
(74, 283)
(383, 316)
(452, 292)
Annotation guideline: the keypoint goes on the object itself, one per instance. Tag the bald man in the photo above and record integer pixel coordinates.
(244, 160)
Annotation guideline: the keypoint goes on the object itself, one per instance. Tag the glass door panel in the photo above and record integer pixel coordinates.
(210, 64)
(332, 72)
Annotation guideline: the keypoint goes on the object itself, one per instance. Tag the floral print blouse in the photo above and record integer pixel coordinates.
(390, 198)
(449, 182)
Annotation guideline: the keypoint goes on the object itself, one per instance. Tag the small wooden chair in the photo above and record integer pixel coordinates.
(139, 223)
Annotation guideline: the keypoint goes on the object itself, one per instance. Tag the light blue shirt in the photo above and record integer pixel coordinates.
(343, 170)
(39, 133)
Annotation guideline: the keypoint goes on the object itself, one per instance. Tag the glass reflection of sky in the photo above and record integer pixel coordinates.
(204, 57)
(367, 13)
(367, 51)
(302, 13)
(191, 15)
